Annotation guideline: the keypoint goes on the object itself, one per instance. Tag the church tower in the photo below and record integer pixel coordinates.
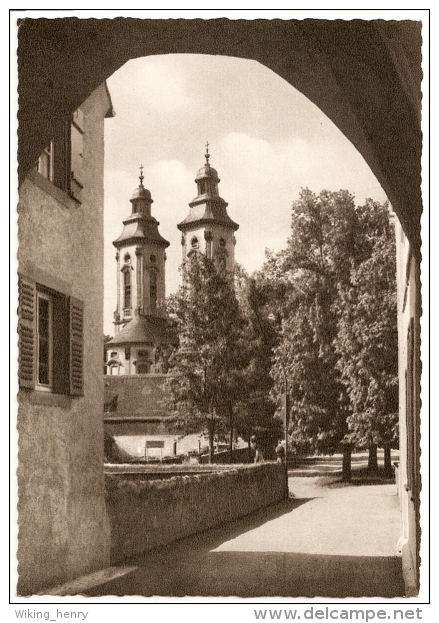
(208, 228)
(144, 335)
(140, 258)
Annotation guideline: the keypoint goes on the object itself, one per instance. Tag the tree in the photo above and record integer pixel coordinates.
(321, 250)
(367, 340)
(210, 348)
(333, 286)
(254, 408)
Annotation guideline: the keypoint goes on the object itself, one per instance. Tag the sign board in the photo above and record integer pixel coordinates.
(154, 444)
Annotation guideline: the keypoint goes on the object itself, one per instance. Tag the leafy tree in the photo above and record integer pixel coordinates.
(254, 407)
(367, 340)
(334, 261)
(201, 371)
(321, 250)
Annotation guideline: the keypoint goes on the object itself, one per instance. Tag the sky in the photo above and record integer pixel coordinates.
(266, 140)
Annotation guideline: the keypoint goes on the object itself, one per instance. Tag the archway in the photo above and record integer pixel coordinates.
(365, 76)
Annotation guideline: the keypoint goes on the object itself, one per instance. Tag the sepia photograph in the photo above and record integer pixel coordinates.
(219, 270)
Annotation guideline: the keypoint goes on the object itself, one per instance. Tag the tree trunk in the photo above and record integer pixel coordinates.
(388, 461)
(231, 434)
(211, 436)
(347, 464)
(372, 464)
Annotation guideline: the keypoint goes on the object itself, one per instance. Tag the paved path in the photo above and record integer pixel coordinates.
(328, 541)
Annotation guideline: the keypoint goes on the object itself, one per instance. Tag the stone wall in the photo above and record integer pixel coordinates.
(144, 515)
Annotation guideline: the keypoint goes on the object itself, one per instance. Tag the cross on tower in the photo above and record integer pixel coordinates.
(141, 175)
(207, 152)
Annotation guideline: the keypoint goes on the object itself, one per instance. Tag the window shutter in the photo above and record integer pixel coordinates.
(61, 344)
(76, 347)
(26, 332)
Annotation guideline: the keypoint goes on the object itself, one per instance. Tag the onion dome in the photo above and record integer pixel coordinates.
(207, 207)
(141, 192)
(207, 171)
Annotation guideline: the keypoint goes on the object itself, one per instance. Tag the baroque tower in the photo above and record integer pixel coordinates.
(140, 258)
(143, 332)
(208, 228)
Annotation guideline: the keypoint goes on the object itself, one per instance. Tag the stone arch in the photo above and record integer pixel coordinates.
(364, 75)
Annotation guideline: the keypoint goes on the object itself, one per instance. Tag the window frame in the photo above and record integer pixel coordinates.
(127, 290)
(66, 157)
(65, 334)
(48, 154)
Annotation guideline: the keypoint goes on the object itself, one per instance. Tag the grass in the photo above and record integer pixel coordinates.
(362, 476)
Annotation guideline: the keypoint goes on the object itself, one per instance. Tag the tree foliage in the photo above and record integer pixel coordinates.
(333, 301)
(320, 251)
(367, 341)
(255, 409)
(210, 347)
(318, 320)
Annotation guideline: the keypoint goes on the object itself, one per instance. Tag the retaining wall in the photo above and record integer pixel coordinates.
(148, 514)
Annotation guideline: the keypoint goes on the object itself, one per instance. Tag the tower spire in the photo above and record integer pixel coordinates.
(141, 178)
(207, 155)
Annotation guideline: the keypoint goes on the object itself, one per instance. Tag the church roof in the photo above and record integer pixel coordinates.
(139, 227)
(207, 207)
(144, 329)
(209, 211)
(207, 171)
(142, 193)
(124, 397)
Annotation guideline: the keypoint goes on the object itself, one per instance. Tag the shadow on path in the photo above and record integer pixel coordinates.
(192, 567)
(256, 574)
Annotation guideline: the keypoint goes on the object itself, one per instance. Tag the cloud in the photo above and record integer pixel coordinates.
(168, 174)
(155, 83)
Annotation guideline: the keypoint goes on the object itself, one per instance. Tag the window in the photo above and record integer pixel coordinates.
(222, 242)
(153, 289)
(143, 354)
(62, 161)
(127, 258)
(45, 162)
(50, 340)
(44, 341)
(113, 355)
(194, 243)
(77, 154)
(127, 289)
(142, 368)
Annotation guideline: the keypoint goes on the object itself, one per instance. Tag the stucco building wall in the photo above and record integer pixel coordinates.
(63, 530)
(409, 479)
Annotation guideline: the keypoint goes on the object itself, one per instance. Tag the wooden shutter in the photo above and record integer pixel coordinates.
(26, 332)
(61, 344)
(76, 347)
